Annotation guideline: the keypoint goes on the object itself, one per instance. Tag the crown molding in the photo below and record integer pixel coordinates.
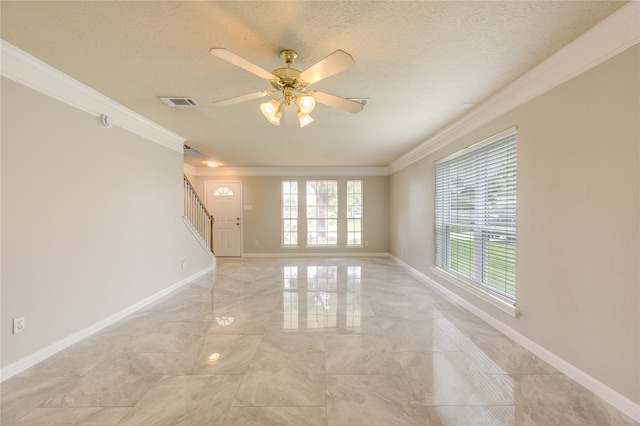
(31, 72)
(616, 33)
(613, 35)
(287, 171)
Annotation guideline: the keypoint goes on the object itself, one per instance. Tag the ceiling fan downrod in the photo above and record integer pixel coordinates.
(288, 57)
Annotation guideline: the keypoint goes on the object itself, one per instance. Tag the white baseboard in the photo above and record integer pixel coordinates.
(44, 353)
(609, 395)
(315, 254)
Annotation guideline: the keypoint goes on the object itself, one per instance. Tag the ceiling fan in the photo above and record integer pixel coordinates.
(292, 84)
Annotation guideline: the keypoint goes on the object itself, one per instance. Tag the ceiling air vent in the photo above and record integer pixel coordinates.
(179, 102)
(190, 152)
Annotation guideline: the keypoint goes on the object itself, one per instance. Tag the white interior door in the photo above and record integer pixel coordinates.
(224, 200)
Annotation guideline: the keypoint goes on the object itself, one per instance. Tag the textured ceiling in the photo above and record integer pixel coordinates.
(417, 62)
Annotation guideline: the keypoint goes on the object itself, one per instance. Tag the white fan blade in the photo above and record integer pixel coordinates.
(242, 63)
(332, 64)
(247, 97)
(337, 102)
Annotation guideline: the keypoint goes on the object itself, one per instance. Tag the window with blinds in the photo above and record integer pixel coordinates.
(475, 214)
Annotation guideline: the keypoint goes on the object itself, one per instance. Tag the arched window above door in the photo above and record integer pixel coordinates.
(223, 191)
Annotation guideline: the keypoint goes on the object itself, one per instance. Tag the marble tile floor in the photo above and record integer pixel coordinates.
(300, 341)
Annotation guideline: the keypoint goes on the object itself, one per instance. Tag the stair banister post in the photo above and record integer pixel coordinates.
(211, 238)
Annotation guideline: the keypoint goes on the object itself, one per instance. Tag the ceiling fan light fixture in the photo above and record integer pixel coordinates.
(304, 119)
(275, 120)
(292, 83)
(306, 103)
(271, 111)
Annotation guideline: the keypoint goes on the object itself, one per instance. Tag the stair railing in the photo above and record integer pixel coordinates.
(197, 215)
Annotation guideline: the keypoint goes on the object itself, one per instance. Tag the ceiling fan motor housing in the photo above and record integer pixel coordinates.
(286, 77)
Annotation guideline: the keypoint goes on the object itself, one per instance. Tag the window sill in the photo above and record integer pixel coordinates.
(354, 246)
(504, 305)
(333, 246)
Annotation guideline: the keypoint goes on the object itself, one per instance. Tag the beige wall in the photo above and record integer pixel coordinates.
(578, 277)
(91, 221)
(192, 180)
(262, 223)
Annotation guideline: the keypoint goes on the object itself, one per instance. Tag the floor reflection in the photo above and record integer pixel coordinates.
(319, 297)
(449, 370)
(469, 377)
(344, 341)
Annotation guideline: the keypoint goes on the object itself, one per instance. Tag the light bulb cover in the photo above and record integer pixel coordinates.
(306, 103)
(271, 111)
(270, 108)
(304, 119)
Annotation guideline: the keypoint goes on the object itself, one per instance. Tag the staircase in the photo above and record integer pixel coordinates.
(196, 214)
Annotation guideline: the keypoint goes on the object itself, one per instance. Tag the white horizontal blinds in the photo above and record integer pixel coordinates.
(289, 213)
(476, 214)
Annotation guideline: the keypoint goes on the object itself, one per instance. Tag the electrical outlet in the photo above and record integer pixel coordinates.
(18, 325)
(183, 264)
(257, 242)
